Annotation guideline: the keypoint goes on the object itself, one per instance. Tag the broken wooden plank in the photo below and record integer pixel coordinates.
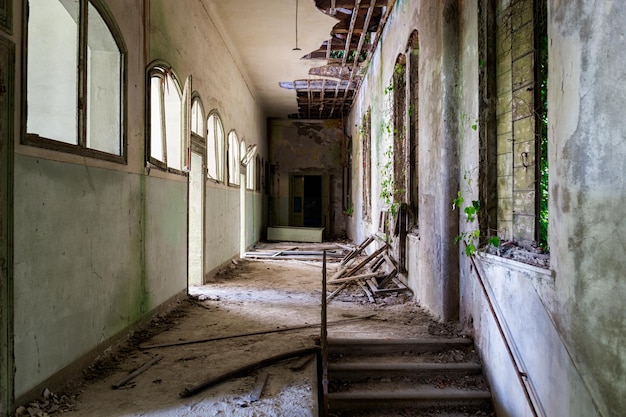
(337, 291)
(256, 393)
(301, 363)
(387, 279)
(367, 260)
(371, 282)
(357, 250)
(284, 329)
(187, 392)
(366, 291)
(356, 277)
(143, 368)
(339, 273)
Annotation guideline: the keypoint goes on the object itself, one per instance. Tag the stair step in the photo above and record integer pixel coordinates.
(414, 398)
(383, 346)
(368, 369)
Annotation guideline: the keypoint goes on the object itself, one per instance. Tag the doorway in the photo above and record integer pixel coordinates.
(308, 200)
(195, 236)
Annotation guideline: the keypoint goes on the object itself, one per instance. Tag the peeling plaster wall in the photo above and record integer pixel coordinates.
(432, 256)
(567, 325)
(587, 145)
(306, 146)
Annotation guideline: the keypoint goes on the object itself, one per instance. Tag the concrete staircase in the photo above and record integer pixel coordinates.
(414, 377)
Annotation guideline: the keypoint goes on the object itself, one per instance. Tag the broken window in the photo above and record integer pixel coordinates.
(165, 144)
(366, 146)
(399, 130)
(347, 175)
(233, 158)
(75, 73)
(521, 71)
(413, 128)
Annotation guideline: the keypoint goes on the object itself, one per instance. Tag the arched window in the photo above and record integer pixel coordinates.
(165, 142)
(234, 158)
(75, 55)
(215, 148)
(197, 117)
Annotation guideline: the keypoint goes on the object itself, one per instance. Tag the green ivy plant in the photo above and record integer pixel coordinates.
(471, 237)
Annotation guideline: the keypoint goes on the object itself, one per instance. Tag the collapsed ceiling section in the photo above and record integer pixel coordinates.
(328, 91)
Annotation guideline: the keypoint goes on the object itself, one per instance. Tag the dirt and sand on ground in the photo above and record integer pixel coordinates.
(247, 297)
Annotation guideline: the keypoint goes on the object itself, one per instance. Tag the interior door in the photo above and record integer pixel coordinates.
(308, 200)
(296, 198)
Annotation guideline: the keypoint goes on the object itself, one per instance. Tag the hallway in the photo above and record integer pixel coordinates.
(248, 297)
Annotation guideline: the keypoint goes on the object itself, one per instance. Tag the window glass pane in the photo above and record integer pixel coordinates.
(52, 69)
(211, 147)
(233, 158)
(221, 148)
(172, 123)
(156, 131)
(197, 118)
(104, 78)
(250, 175)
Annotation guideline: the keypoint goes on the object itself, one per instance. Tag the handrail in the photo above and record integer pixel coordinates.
(323, 408)
(522, 376)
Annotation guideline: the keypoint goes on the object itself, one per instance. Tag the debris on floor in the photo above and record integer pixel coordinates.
(376, 274)
(334, 252)
(48, 404)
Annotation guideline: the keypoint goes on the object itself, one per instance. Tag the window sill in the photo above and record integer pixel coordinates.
(37, 141)
(539, 271)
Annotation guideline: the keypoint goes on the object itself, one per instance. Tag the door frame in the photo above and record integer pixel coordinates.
(325, 195)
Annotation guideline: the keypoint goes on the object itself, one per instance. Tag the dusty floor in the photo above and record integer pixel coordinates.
(250, 296)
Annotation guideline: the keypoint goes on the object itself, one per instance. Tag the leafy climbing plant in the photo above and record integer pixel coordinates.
(471, 237)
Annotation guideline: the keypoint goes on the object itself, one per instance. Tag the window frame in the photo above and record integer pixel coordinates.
(218, 151)
(518, 195)
(32, 139)
(163, 70)
(234, 159)
(366, 151)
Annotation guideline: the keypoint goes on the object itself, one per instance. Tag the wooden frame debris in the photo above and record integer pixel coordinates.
(376, 274)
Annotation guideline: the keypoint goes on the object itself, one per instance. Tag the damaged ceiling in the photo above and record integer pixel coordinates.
(302, 59)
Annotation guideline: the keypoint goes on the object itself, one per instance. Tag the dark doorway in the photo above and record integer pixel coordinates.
(308, 200)
(312, 201)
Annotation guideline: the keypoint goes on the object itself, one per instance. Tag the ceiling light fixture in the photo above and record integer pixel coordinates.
(296, 48)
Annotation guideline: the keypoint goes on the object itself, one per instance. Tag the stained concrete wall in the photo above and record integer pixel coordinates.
(306, 147)
(566, 324)
(587, 191)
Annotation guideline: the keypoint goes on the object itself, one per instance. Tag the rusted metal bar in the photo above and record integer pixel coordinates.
(324, 342)
(284, 329)
(522, 376)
